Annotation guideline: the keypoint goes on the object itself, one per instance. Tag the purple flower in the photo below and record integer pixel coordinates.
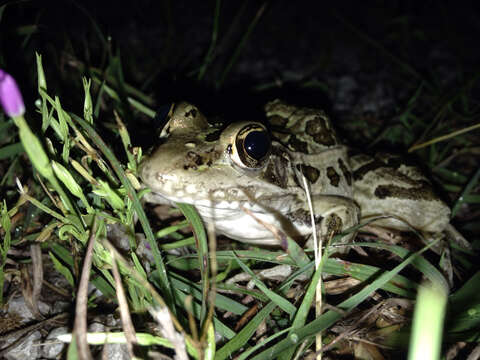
(10, 96)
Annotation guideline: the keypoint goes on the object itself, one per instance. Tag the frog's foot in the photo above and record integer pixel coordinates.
(392, 236)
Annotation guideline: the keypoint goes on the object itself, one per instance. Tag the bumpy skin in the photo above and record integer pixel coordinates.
(385, 184)
(206, 166)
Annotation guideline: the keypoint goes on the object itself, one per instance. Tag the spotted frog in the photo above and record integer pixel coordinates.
(245, 175)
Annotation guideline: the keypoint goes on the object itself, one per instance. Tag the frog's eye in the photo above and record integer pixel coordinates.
(252, 144)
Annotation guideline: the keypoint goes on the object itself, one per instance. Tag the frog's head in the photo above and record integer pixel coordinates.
(201, 164)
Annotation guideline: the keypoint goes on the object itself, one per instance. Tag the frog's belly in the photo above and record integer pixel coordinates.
(242, 226)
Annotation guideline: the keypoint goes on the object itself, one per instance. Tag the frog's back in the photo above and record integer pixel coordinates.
(383, 184)
(300, 129)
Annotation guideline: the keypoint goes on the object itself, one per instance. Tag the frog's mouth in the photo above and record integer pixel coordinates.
(168, 199)
(231, 199)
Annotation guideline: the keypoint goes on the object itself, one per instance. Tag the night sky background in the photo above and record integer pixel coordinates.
(348, 57)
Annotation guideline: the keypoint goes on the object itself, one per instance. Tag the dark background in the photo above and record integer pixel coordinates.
(346, 56)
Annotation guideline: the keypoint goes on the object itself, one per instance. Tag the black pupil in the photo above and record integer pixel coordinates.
(257, 144)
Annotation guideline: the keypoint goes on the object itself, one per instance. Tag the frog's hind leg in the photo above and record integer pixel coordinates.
(387, 185)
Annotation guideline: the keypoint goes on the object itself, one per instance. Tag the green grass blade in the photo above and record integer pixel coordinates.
(426, 340)
(11, 150)
(466, 191)
(330, 317)
(246, 333)
(282, 303)
(241, 45)
(161, 270)
(202, 245)
(213, 42)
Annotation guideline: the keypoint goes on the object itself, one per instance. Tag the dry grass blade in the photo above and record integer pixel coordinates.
(318, 255)
(37, 263)
(444, 137)
(127, 324)
(80, 324)
(164, 319)
(212, 242)
(156, 296)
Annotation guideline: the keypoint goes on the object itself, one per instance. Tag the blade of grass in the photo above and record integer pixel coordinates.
(244, 335)
(222, 302)
(443, 109)
(281, 302)
(182, 288)
(213, 42)
(305, 306)
(330, 317)
(144, 339)
(11, 150)
(398, 285)
(466, 191)
(420, 263)
(464, 307)
(444, 137)
(116, 166)
(202, 246)
(114, 95)
(426, 339)
(241, 45)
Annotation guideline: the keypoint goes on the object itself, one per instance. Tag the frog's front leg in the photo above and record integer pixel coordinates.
(334, 214)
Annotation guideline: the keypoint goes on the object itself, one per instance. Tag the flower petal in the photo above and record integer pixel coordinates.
(10, 96)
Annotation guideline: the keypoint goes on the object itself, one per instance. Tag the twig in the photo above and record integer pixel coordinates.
(80, 324)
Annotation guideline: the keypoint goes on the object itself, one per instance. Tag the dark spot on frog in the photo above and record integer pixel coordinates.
(213, 136)
(333, 176)
(275, 171)
(192, 113)
(277, 120)
(229, 149)
(334, 225)
(297, 145)
(212, 154)
(393, 162)
(346, 172)
(194, 157)
(192, 161)
(232, 192)
(317, 129)
(359, 173)
(422, 192)
(300, 215)
(303, 217)
(309, 172)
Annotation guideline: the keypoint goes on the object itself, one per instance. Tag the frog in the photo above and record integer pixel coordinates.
(243, 175)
